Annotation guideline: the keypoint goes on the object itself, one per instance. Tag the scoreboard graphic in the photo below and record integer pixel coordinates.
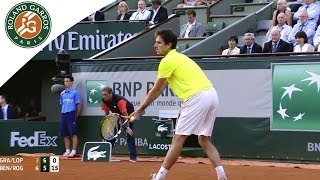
(37, 164)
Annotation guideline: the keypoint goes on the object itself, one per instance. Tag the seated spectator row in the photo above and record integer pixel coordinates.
(304, 24)
(275, 45)
(310, 6)
(157, 15)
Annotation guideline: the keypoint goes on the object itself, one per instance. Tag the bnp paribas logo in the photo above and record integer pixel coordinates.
(296, 97)
(94, 90)
(28, 24)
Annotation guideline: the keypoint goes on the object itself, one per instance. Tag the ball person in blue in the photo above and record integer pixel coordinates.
(70, 101)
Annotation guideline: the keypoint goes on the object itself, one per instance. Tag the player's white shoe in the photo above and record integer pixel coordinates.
(72, 154)
(224, 177)
(153, 176)
(66, 154)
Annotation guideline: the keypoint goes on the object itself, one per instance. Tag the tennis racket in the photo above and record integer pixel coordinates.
(111, 126)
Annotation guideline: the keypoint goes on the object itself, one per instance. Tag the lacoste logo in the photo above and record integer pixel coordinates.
(28, 24)
(92, 154)
(161, 128)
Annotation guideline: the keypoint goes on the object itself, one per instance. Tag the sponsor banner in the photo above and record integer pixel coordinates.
(145, 145)
(250, 138)
(94, 90)
(38, 139)
(30, 137)
(96, 152)
(296, 97)
(84, 40)
(134, 89)
(134, 85)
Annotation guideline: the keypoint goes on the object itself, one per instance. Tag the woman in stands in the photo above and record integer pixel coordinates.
(190, 3)
(123, 11)
(206, 2)
(233, 49)
(302, 43)
(282, 8)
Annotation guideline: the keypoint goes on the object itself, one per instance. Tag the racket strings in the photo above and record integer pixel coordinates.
(109, 127)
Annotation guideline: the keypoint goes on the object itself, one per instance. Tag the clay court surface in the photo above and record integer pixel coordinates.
(186, 168)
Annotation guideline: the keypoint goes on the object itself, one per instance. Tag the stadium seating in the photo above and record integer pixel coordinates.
(222, 19)
(213, 27)
(181, 47)
(226, 19)
(246, 8)
(239, 25)
(185, 43)
(263, 27)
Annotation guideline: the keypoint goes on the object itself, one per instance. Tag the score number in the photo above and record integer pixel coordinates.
(49, 164)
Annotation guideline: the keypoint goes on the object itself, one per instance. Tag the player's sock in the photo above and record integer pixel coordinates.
(220, 172)
(162, 173)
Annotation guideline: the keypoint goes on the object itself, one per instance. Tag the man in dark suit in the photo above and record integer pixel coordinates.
(249, 45)
(96, 16)
(7, 111)
(276, 44)
(158, 13)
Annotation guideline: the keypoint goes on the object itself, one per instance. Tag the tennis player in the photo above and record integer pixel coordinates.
(200, 101)
(114, 103)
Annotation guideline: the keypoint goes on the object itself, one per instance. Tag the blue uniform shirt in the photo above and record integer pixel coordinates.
(69, 100)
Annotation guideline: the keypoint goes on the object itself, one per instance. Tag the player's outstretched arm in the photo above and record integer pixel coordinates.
(154, 93)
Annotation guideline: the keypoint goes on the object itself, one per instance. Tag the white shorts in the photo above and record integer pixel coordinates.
(198, 114)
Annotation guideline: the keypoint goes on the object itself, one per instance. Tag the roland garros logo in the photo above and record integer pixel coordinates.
(28, 24)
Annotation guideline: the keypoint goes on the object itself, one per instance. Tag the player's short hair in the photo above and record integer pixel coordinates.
(168, 36)
(69, 77)
(108, 89)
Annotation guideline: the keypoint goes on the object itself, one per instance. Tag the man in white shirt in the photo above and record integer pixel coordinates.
(312, 8)
(304, 24)
(142, 13)
(192, 28)
(282, 27)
